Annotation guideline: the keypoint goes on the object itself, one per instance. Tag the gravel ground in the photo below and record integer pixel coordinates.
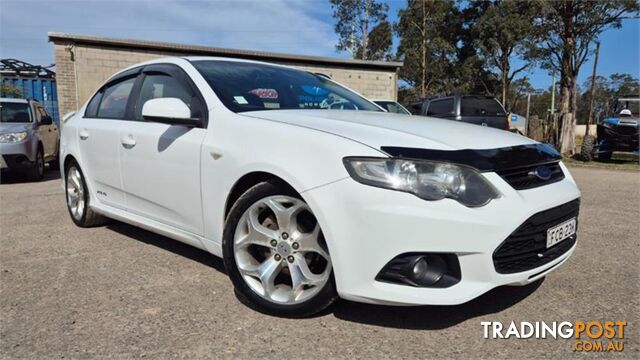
(118, 291)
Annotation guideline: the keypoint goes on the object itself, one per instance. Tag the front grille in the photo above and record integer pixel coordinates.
(524, 177)
(526, 248)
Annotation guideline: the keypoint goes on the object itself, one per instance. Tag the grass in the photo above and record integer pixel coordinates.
(619, 160)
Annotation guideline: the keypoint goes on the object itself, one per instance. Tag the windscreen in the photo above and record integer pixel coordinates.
(245, 86)
(481, 106)
(11, 112)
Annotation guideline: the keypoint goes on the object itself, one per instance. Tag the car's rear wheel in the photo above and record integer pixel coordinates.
(275, 253)
(36, 172)
(78, 198)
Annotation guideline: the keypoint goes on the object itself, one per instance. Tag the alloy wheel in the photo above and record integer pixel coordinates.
(75, 193)
(280, 251)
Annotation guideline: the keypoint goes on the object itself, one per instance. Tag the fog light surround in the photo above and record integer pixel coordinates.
(434, 270)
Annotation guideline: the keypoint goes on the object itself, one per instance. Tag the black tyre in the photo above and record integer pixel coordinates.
(587, 149)
(36, 171)
(605, 155)
(78, 198)
(275, 253)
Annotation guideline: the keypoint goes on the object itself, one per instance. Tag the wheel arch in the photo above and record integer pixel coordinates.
(67, 160)
(247, 181)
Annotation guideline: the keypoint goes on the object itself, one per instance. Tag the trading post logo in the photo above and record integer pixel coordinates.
(590, 336)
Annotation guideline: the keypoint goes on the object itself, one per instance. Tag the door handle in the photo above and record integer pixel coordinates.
(84, 135)
(128, 142)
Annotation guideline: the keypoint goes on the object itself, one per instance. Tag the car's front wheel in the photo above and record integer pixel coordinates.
(36, 172)
(275, 253)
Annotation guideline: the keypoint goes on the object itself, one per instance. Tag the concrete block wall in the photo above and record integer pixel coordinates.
(81, 69)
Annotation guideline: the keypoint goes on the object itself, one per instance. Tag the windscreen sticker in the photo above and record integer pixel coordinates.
(240, 100)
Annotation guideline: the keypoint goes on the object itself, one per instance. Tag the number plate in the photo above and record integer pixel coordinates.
(561, 232)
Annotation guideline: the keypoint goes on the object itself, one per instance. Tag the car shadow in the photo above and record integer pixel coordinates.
(14, 177)
(433, 317)
(402, 317)
(167, 244)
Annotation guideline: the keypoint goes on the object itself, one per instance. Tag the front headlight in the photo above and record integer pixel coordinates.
(428, 180)
(13, 137)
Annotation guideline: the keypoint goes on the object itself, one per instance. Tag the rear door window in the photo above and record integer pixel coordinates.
(115, 98)
(440, 107)
(480, 106)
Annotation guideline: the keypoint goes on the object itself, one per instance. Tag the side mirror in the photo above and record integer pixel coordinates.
(171, 111)
(46, 120)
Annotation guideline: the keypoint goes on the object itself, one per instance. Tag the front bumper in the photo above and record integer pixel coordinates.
(17, 156)
(366, 227)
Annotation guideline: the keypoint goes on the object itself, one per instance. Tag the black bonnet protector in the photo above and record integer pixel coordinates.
(484, 160)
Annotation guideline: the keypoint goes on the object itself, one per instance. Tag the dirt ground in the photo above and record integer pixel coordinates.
(118, 291)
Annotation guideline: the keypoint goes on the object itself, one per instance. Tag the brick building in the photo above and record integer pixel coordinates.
(83, 63)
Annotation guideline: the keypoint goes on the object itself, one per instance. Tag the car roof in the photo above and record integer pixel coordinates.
(180, 60)
(14, 100)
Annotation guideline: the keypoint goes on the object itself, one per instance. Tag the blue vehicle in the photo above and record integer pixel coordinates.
(619, 132)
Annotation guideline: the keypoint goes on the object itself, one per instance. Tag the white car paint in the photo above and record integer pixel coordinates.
(175, 181)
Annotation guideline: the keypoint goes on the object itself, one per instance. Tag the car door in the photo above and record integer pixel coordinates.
(48, 133)
(161, 162)
(42, 129)
(99, 133)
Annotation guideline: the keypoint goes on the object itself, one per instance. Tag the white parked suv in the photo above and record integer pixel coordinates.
(307, 203)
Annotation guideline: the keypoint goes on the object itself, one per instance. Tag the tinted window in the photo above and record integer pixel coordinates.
(392, 107)
(480, 106)
(92, 106)
(11, 112)
(114, 100)
(250, 86)
(441, 107)
(163, 86)
(41, 113)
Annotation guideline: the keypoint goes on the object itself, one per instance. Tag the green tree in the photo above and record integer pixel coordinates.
(568, 29)
(624, 85)
(606, 92)
(356, 19)
(428, 33)
(379, 43)
(471, 69)
(504, 33)
(10, 90)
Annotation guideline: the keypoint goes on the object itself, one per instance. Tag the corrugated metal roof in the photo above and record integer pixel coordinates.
(216, 51)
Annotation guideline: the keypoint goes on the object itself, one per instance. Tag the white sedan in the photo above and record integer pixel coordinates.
(307, 203)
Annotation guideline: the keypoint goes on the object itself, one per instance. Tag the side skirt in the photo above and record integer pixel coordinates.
(160, 228)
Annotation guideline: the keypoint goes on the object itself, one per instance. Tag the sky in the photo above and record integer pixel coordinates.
(284, 26)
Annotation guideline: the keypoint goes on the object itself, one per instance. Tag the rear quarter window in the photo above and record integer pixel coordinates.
(440, 107)
(92, 106)
(480, 106)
